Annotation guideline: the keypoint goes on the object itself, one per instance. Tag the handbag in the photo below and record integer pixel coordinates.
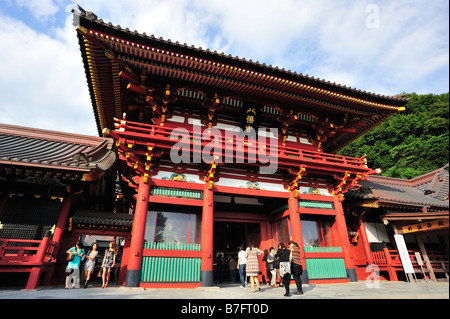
(276, 264)
(84, 256)
(70, 256)
(296, 269)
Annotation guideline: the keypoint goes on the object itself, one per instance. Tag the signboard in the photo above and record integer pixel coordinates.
(404, 255)
(419, 258)
(251, 114)
(429, 225)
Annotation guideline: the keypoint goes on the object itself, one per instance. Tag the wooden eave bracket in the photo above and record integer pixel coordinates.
(131, 182)
(326, 129)
(213, 105)
(210, 176)
(119, 125)
(138, 86)
(294, 184)
(286, 119)
(148, 159)
(345, 182)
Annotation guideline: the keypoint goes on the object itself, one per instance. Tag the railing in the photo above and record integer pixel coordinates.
(170, 263)
(392, 257)
(25, 252)
(166, 137)
(379, 257)
(390, 260)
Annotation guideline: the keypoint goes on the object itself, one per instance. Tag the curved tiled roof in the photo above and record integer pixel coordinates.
(37, 150)
(107, 49)
(406, 192)
(93, 17)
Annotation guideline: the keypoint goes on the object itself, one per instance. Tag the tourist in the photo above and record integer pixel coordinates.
(283, 256)
(271, 268)
(118, 264)
(73, 267)
(109, 261)
(241, 265)
(219, 269)
(266, 279)
(296, 266)
(232, 264)
(252, 253)
(89, 265)
(276, 264)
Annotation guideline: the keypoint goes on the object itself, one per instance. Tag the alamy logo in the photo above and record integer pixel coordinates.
(373, 279)
(232, 147)
(373, 17)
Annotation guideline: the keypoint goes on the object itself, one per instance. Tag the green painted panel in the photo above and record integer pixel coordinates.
(170, 269)
(315, 204)
(323, 250)
(326, 268)
(174, 192)
(172, 246)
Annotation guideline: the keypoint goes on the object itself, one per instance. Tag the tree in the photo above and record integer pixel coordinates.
(410, 143)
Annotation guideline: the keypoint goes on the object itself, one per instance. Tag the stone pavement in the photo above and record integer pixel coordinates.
(353, 290)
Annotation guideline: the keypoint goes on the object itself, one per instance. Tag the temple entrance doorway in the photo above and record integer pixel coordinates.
(228, 236)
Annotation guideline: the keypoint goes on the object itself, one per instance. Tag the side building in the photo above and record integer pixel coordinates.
(380, 208)
(54, 190)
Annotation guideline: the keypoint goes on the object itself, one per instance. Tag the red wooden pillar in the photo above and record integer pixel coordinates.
(296, 228)
(266, 238)
(124, 263)
(294, 218)
(206, 267)
(61, 224)
(137, 235)
(343, 238)
(58, 234)
(364, 240)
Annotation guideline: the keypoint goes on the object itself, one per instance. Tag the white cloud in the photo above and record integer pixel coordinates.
(40, 9)
(43, 84)
(326, 39)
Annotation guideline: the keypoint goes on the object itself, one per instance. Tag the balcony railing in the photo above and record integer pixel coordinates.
(21, 252)
(390, 260)
(393, 258)
(241, 148)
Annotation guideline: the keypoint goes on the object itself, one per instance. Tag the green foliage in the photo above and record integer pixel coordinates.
(409, 143)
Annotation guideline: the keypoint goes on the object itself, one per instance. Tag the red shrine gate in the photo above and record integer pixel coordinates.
(175, 96)
(135, 139)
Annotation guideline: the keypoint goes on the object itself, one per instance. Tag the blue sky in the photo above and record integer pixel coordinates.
(386, 47)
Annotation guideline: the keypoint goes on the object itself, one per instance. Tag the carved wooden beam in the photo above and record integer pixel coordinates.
(294, 184)
(325, 129)
(213, 105)
(210, 176)
(286, 119)
(345, 182)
